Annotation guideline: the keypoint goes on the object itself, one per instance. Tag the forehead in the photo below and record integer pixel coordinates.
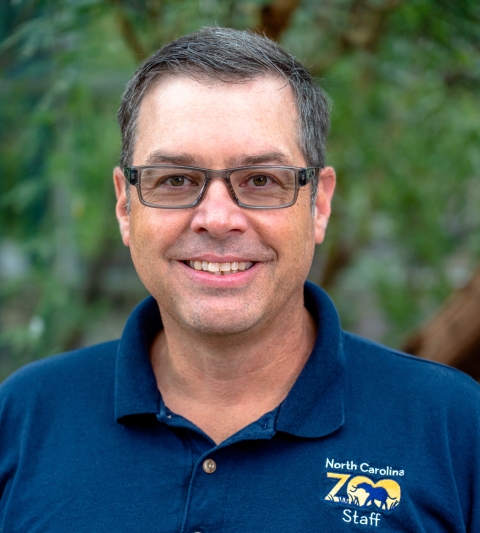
(216, 124)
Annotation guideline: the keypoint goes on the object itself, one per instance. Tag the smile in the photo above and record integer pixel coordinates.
(219, 269)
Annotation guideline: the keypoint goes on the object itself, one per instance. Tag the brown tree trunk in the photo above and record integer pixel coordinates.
(452, 336)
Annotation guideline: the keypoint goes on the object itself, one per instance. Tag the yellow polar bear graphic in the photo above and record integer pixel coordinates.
(384, 494)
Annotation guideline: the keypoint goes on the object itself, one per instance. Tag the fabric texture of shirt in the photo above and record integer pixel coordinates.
(368, 439)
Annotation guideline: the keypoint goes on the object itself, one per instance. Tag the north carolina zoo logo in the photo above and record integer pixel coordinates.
(361, 491)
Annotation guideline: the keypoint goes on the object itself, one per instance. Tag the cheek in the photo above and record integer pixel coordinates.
(302, 236)
(290, 233)
(152, 231)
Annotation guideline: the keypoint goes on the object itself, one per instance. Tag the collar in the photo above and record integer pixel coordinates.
(314, 406)
(136, 391)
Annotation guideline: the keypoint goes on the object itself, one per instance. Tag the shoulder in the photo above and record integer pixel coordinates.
(67, 371)
(407, 376)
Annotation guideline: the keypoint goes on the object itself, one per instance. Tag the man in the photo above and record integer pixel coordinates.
(233, 401)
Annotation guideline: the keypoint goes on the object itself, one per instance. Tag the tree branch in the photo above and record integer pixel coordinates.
(128, 31)
(275, 17)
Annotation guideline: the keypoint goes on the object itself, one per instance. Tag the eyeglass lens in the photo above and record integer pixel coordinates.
(258, 187)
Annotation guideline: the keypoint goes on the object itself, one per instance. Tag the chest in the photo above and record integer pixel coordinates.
(163, 479)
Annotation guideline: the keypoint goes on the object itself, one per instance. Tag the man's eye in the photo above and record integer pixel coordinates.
(176, 181)
(169, 182)
(260, 180)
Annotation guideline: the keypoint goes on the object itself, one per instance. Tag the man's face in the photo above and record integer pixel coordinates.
(218, 126)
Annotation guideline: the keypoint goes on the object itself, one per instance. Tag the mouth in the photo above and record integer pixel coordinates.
(220, 269)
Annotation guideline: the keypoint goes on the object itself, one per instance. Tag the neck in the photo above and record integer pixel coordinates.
(222, 384)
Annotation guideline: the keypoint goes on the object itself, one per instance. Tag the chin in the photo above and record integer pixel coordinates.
(222, 322)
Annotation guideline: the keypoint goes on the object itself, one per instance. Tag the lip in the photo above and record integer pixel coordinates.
(218, 259)
(239, 279)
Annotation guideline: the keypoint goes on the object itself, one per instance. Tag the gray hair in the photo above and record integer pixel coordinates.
(231, 56)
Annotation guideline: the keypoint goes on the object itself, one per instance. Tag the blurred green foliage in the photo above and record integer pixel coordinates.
(405, 82)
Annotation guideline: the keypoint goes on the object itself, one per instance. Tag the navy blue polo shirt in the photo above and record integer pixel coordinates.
(368, 439)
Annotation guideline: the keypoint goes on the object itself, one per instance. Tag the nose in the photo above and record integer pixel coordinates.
(217, 214)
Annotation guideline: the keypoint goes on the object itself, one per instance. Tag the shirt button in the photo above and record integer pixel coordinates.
(209, 465)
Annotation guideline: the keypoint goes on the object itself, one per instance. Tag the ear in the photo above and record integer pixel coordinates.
(121, 207)
(326, 187)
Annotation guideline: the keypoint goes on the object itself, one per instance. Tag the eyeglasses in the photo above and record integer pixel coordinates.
(256, 187)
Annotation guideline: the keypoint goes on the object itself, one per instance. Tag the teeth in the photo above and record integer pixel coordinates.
(213, 267)
(219, 269)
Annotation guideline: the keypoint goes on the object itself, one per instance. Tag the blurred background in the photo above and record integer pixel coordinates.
(402, 254)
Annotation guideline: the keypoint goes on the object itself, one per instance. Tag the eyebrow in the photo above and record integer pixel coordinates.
(272, 158)
(158, 157)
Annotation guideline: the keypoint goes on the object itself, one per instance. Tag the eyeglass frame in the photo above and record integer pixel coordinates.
(303, 176)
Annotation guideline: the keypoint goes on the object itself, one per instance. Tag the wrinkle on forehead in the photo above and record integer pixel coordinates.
(274, 157)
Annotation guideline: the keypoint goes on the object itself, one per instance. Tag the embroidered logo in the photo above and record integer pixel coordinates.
(364, 499)
(356, 489)
(362, 491)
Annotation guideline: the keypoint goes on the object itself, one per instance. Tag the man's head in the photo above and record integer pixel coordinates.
(192, 117)
(225, 55)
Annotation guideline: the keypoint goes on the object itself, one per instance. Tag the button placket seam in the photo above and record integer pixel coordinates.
(196, 467)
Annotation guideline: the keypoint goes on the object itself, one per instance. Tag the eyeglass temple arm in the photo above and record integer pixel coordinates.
(305, 176)
(131, 175)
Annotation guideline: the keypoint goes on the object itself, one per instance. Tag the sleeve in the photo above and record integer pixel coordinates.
(464, 439)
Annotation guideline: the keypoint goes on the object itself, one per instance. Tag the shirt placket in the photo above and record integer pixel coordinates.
(214, 473)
